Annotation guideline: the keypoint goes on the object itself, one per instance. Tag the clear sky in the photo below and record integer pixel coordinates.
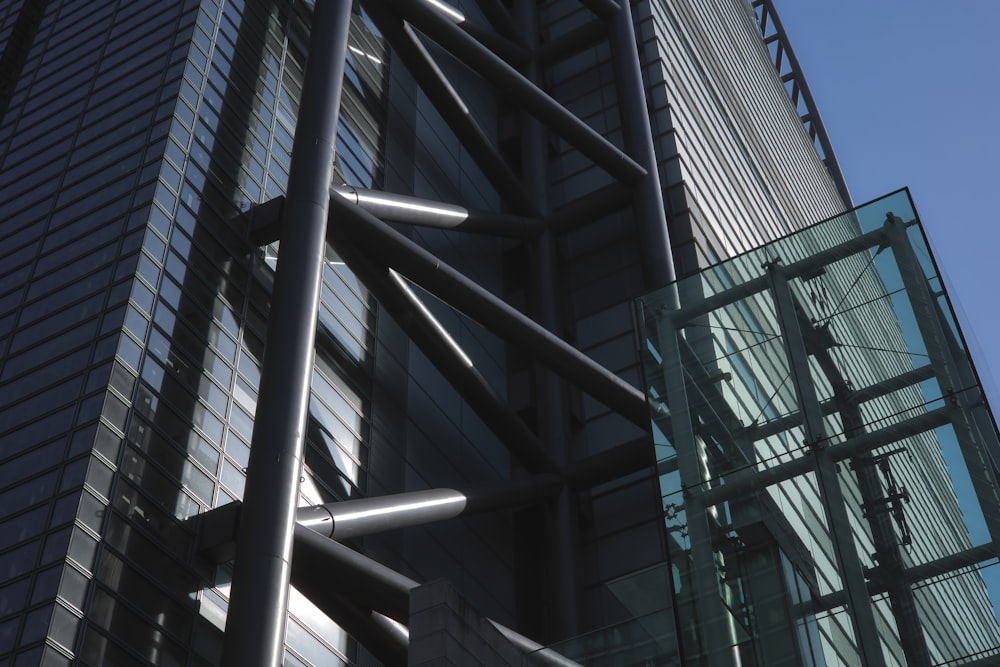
(909, 91)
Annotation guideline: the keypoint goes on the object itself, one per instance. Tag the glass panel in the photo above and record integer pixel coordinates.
(821, 434)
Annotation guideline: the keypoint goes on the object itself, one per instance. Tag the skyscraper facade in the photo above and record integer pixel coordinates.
(540, 165)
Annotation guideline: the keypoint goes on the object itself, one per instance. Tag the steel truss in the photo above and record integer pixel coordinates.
(788, 68)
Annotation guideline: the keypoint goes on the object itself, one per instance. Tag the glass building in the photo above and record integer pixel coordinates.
(503, 453)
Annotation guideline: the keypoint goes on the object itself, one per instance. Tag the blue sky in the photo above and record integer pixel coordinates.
(909, 91)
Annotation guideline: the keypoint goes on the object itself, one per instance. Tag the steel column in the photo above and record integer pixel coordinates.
(255, 628)
(927, 316)
(551, 391)
(851, 571)
(651, 218)
(887, 548)
(712, 618)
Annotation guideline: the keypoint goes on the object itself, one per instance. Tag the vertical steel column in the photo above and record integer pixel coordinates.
(651, 217)
(713, 619)
(851, 572)
(927, 316)
(551, 391)
(887, 549)
(255, 629)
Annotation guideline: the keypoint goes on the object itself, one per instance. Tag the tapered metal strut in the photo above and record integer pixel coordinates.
(365, 516)
(266, 218)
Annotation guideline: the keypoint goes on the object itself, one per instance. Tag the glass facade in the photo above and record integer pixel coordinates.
(821, 434)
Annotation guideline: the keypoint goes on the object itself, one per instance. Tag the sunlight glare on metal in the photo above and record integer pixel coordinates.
(447, 10)
(407, 507)
(405, 286)
(458, 214)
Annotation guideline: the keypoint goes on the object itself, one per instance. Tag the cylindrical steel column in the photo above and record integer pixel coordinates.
(551, 392)
(651, 217)
(255, 629)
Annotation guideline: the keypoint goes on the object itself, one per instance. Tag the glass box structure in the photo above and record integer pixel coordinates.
(826, 455)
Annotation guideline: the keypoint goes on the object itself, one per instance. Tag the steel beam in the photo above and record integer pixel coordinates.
(877, 390)
(508, 80)
(797, 269)
(606, 9)
(610, 465)
(499, 17)
(265, 219)
(383, 589)
(255, 628)
(743, 482)
(916, 574)
(513, 52)
(454, 288)
(384, 638)
(453, 110)
(353, 575)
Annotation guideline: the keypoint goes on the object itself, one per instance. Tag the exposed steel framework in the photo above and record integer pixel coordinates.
(387, 263)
